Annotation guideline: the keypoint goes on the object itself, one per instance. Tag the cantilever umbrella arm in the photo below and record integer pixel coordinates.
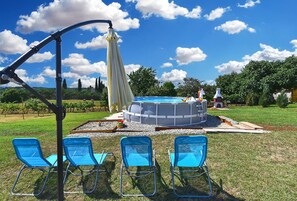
(8, 74)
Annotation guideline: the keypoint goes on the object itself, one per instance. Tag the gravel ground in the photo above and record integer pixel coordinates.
(143, 129)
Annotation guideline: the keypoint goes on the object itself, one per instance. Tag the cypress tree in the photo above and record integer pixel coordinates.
(64, 84)
(79, 85)
(96, 85)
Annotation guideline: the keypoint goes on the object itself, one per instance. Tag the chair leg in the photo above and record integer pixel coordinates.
(205, 169)
(96, 169)
(29, 194)
(146, 195)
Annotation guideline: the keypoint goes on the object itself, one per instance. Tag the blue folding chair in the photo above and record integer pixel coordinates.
(28, 151)
(137, 152)
(189, 156)
(79, 153)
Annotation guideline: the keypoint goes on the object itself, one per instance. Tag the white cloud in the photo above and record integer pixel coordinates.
(174, 76)
(167, 65)
(95, 43)
(249, 3)
(165, 9)
(266, 53)
(195, 13)
(82, 66)
(231, 66)
(234, 27)
(48, 72)
(294, 43)
(131, 68)
(33, 79)
(216, 13)
(40, 57)
(3, 59)
(62, 13)
(185, 56)
(11, 43)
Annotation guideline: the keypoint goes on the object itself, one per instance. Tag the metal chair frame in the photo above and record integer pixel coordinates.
(139, 174)
(96, 166)
(177, 173)
(50, 166)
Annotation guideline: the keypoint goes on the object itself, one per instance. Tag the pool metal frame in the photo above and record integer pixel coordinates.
(141, 117)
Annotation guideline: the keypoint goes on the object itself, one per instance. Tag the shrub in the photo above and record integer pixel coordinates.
(252, 99)
(282, 100)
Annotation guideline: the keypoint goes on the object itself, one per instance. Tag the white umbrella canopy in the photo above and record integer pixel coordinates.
(119, 92)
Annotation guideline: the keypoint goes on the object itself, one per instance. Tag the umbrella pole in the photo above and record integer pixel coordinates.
(59, 118)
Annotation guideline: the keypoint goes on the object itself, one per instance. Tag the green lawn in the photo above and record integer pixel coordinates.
(241, 166)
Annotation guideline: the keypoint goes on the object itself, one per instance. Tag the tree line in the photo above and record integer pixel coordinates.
(254, 85)
(258, 81)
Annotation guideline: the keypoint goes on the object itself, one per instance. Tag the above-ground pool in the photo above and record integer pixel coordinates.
(166, 111)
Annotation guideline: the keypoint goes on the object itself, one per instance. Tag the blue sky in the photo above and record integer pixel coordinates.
(183, 38)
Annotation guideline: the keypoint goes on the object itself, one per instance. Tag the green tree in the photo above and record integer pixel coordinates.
(282, 99)
(230, 85)
(168, 89)
(190, 86)
(79, 85)
(141, 80)
(64, 84)
(11, 95)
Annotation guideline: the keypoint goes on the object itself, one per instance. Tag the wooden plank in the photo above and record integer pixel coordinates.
(241, 126)
(228, 120)
(217, 130)
(161, 128)
(254, 126)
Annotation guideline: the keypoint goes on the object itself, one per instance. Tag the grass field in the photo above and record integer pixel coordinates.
(241, 166)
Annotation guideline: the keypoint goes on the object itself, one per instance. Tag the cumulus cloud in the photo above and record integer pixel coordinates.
(216, 13)
(167, 65)
(95, 43)
(231, 66)
(174, 76)
(82, 66)
(195, 13)
(22, 73)
(40, 57)
(185, 56)
(249, 3)
(11, 43)
(48, 72)
(131, 68)
(165, 9)
(266, 53)
(234, 27)
(61, 13)
(294, 43)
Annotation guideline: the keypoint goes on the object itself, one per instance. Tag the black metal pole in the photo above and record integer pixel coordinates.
(8, 73)
(59, 119)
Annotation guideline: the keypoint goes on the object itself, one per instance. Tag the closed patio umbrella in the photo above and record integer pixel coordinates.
(119, 91)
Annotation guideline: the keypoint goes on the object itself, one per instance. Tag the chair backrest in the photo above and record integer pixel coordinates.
(79, 151)
(28, 150)
(193, 148)
(137, 151)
